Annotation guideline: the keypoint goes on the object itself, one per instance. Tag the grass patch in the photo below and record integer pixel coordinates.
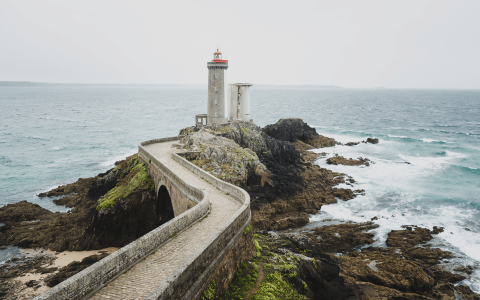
(210, 292)
(258, 249)
(243, 281)
(275, 287)
(203, 162)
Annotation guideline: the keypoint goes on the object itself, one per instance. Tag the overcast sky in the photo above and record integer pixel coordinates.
(397, 44)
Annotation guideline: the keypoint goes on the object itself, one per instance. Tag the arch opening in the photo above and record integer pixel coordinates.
(164, 206)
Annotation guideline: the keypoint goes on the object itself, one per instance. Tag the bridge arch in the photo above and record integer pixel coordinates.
(164, 205)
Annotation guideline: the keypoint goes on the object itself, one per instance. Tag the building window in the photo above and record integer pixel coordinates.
(215, 89)
(216, 75)
(215, 101)
(215, 114)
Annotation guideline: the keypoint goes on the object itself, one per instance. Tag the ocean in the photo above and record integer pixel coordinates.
(426, 168)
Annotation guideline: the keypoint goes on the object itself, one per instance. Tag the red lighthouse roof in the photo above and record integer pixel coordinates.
(217, 57)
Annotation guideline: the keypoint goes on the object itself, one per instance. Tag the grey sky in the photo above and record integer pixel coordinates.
(399, 44)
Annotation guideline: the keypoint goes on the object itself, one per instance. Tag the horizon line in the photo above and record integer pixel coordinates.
(36, 83)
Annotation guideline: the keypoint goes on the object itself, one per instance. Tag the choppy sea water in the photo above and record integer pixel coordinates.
(53, 135)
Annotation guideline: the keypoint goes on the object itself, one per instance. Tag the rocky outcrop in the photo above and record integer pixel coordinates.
(340, 160)
(399, 271)
(23, 211)
(343, 237)
(311, 269)
(291, 130)
(296, 186)
(225, 159)
(85, 227)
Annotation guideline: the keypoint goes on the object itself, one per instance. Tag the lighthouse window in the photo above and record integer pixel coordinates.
(215, 101)
(215, 89)
(216, 75)
(215, 114)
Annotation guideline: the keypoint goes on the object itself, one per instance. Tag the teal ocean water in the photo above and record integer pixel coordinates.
(426, 170)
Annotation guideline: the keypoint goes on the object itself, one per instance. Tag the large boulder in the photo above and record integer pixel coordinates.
(291, 130)
(226, 159)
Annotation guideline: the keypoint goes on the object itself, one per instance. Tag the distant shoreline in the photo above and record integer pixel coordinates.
(32, 83)
(204, 86)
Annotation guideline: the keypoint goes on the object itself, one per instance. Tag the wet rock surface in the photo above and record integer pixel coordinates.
(408, 268)
(340, 160)
(361, 273)
(343, 237)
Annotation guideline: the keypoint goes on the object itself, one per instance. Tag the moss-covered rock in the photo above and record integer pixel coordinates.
(111, 209)
(135, 178)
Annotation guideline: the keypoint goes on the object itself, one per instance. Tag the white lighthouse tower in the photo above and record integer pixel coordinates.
(216, 89)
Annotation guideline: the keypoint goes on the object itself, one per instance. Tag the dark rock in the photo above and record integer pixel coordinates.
(48, 270)
(371, 141)
(31, 283)
(343, 237)
(72, 269)
(302, 241)
(352, 143)
(467, 270)
(291, 130)
(340, 160)
(22, 211)
(344, 194)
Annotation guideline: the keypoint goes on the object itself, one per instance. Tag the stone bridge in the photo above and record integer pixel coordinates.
(202, 237)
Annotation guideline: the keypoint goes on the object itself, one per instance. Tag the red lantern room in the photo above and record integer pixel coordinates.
(217, 57)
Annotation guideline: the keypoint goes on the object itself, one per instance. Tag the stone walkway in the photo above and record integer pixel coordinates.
(145, 276)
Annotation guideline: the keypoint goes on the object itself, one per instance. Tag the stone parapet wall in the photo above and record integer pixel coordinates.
(188, 280)
(88, 281)
(242, 250)
(182, 194)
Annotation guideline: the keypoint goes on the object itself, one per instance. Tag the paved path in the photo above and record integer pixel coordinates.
(145, 276)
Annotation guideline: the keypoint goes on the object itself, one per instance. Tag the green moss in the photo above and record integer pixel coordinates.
(258, 249)
(243, 281)
(283, 268)
(135, 178)
(256, 236)
(247, 229)
(210, 292)
(225, 129)
(305, 286)
(290, 275)
(314, 264)
(275, 287)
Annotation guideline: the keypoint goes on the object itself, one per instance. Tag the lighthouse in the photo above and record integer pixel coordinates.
(216, 89)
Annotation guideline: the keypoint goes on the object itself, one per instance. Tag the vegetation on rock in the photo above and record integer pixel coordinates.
(135, 178)
(224, 158)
